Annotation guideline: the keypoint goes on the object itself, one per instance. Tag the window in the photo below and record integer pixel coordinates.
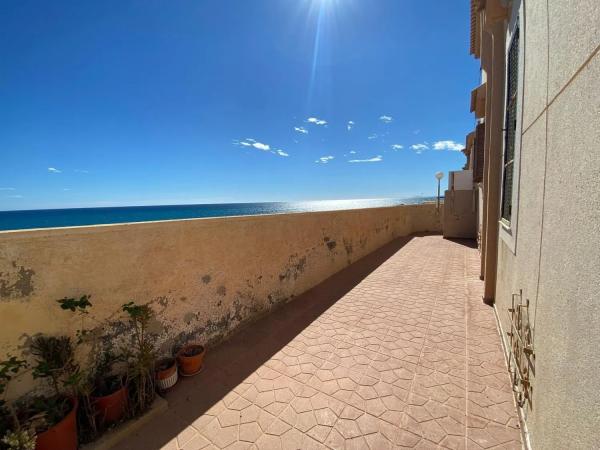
(510, 126)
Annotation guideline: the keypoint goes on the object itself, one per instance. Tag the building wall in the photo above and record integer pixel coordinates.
(203, 277)
(460, 208)
(556, 261)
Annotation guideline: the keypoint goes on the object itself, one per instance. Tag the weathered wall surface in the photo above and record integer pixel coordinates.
(460, 214)
(203, 277)
(557, 256)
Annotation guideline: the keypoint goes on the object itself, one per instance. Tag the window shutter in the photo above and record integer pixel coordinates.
(479, 153)
(510, 125)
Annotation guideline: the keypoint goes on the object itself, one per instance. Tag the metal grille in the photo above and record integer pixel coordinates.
(478, 161)
(521, 360)
(510, 127)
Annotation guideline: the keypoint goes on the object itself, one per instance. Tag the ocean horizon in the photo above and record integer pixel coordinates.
(70, 217)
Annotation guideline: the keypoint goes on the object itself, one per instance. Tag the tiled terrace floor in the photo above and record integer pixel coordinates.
(396, 351)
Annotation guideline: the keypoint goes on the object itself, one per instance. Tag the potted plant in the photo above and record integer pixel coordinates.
(102, 391)
(166, 373)
(140, 357)
(53, 417)
(12, 435)
(109, 396)
(190, 359)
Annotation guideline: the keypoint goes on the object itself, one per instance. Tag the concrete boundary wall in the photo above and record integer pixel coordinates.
(203, 277)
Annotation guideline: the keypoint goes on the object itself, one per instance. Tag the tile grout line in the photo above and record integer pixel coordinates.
(466, 310)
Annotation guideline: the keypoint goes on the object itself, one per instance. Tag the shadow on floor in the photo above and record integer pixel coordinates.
(234, 360)
(471, 243)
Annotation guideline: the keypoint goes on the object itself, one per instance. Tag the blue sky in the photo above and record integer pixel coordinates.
(149, 102)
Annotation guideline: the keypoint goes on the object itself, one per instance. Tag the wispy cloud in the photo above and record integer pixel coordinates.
(350, 125)
(448, 145)
(14, 196)
(316, 121)
(324, 159)
(66, 189)
(377, 158)
(54, 170)
(419, 147)
(386, 119)
(81, 171)
(7, 189)
(397, 146)
(248, 142)
(352, 152)
(253, 143)
(373, 136)
(301, 130)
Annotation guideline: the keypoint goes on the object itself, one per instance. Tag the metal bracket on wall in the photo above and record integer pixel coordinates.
(521, 361)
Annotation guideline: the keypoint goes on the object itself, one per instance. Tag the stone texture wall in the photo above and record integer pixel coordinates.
(556, 260)
(203, 277)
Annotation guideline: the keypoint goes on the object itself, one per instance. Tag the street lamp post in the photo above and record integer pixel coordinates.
(439, 176)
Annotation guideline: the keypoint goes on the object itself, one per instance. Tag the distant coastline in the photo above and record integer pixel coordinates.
(51, 218)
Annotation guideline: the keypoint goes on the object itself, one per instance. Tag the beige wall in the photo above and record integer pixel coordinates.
(204, 277)
(460, 214)
(557, 255)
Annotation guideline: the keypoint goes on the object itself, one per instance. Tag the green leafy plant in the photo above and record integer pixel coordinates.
(9, 422)
(19, 440)
(141, 357)
(55, 361)
(81, 382)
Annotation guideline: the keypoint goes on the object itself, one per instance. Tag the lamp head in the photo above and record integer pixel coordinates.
(439, 175)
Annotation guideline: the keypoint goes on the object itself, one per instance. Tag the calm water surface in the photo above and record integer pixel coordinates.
(50, 218)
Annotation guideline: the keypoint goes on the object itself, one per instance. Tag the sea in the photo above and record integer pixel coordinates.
(52, 218)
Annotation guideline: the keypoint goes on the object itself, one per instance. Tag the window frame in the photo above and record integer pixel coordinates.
(508, 229)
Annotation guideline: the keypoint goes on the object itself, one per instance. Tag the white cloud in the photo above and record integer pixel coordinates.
(316, 121)
(281, 152)
(324, 159)
(377, 158)
(397, 146)
(448, 145)
(261, 146)
(248, 142)
(54, 170)
(7, 189)
(350, 125)
(301, 130)
(373, 136)
(419, 147)
(386, 119)
(352, 152)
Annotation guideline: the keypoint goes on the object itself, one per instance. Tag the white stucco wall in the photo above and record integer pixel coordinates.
(557, 255)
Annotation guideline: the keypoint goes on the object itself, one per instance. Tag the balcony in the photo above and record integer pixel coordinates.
(396, 350)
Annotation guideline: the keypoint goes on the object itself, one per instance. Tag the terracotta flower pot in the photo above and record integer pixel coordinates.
(111, 408)
(191, 359)
(61, 436)
(166, 373)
